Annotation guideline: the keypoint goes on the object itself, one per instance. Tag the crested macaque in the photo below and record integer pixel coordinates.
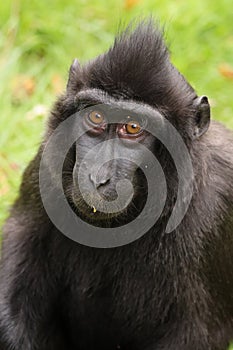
(160, 291)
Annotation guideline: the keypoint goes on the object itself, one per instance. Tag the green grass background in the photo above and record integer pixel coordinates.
(39, 39)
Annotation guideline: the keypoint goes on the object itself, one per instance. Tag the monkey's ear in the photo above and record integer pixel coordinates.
(202, 119)
(74, 81)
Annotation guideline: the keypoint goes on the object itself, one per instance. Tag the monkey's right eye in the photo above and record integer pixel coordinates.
(96, 118)
(95, 122)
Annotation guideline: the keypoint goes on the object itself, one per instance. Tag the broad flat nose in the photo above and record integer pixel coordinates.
(99, 181)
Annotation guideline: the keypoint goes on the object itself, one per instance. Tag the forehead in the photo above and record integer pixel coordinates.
(97, 99)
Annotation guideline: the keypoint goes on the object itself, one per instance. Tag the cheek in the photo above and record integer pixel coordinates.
(84, 145)
(125, 169)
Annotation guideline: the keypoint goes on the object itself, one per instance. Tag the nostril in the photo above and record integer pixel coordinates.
(103, 182)
(99, 182)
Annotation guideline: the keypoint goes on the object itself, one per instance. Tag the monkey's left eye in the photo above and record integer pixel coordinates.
(133, 127)
(96, 117)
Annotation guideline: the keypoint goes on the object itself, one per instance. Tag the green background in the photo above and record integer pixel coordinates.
(39, 39)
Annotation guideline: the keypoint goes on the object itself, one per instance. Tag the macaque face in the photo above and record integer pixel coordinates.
(107, 174)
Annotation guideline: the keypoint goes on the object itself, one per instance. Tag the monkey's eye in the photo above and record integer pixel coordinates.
(96, 117)
(95, 122)
(133, 127)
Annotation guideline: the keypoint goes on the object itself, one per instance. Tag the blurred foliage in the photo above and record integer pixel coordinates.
(39, 39)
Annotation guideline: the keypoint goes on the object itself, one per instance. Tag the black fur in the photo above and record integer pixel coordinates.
(164, 291)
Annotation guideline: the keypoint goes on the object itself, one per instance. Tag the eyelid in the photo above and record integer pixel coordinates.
(134, 118)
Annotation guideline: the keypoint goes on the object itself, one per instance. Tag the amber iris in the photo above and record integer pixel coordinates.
(133, 127)
(96, 117)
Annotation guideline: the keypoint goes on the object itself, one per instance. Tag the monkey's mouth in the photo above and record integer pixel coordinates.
(90, 208)
(89, 212)
(103, 209)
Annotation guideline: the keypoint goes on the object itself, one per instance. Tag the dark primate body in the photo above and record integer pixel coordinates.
(164, 291)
